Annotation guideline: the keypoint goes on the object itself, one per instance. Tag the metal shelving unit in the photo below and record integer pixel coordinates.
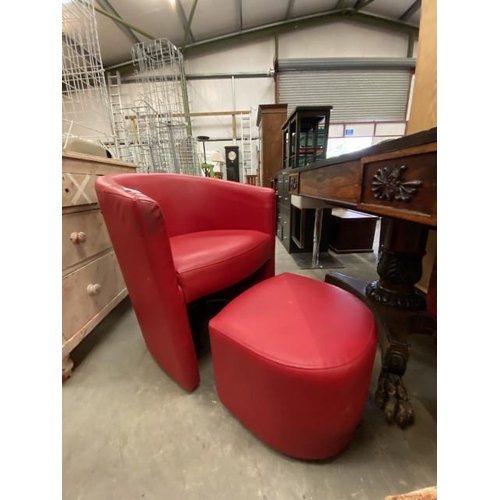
(86, 111)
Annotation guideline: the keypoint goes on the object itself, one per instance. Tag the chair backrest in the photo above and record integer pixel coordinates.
(190, 203)
(251, 179)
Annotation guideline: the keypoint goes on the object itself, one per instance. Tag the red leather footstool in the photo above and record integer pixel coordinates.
(293, 360)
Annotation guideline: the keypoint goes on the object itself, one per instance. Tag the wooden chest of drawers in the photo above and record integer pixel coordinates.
(92, 284)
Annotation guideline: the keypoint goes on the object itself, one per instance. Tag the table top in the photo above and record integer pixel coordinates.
(396, 178)
(408, 141)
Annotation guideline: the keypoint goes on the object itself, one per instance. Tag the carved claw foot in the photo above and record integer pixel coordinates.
(392, 397)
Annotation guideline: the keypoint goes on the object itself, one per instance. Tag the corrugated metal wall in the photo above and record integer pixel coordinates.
(358, 89)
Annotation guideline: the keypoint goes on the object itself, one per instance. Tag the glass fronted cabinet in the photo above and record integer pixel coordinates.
(305, 136)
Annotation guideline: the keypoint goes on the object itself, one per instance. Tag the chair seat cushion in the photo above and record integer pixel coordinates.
(209, 261)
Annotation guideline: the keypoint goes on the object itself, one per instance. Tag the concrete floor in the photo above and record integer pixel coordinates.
(129, 432)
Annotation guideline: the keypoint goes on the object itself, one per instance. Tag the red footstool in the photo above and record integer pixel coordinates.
(293, 360)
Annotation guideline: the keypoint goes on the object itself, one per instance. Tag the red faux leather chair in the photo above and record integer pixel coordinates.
(179, 238)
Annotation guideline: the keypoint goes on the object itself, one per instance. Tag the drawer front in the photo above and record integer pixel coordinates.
(279, 230)
(84, 235)
(339, 182)
(78, 189)
(283, 184)
(285, 233)
(87, 290)
(283, 202)
(284, 208)
(405, 185)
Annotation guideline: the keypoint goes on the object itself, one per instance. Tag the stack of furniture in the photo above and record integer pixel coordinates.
(304, 141)
(92, 284)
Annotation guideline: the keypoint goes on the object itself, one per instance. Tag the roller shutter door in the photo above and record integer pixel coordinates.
(359, 90)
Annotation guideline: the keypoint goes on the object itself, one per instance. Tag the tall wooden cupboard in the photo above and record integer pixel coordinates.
(270, 119)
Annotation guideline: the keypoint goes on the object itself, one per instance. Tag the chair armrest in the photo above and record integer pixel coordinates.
(137, 230)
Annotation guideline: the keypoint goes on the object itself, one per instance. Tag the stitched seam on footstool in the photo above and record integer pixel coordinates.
(298, 367)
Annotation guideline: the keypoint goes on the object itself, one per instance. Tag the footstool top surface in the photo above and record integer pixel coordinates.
(299, 322)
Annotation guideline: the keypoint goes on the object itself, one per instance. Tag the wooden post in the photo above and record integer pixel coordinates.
(423, 111)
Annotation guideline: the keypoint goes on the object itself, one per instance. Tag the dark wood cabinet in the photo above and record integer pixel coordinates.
(270, 119)
(352, 231)
(304, 139)
(305, 136)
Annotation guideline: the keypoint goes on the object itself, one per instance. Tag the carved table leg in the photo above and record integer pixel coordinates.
(67, 366)
(391, 395)
(398, 307)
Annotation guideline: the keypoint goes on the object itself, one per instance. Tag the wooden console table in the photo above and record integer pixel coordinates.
(396, 179)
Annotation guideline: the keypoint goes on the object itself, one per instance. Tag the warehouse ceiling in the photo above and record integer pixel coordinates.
(198, 25)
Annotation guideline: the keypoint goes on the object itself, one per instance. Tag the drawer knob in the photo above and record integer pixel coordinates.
(93, 289)
(77, 238)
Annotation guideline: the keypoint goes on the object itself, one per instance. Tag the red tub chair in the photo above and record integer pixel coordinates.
(179, 238)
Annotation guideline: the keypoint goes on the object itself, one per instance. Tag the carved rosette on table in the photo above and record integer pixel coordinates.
(389, 184)
(398, 270)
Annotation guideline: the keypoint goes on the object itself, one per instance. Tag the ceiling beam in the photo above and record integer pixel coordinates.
(291, 25)
(190, 20)
(184, 21)
(414, 7)
(124, 23)
(289, 9)
(105, 5)
(306, 21)
(360, 4)
(239, 6)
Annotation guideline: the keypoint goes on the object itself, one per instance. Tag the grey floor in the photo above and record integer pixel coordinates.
(129, 432)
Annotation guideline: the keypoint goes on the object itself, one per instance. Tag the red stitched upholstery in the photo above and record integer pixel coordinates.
(293, 359)
(178, 238)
